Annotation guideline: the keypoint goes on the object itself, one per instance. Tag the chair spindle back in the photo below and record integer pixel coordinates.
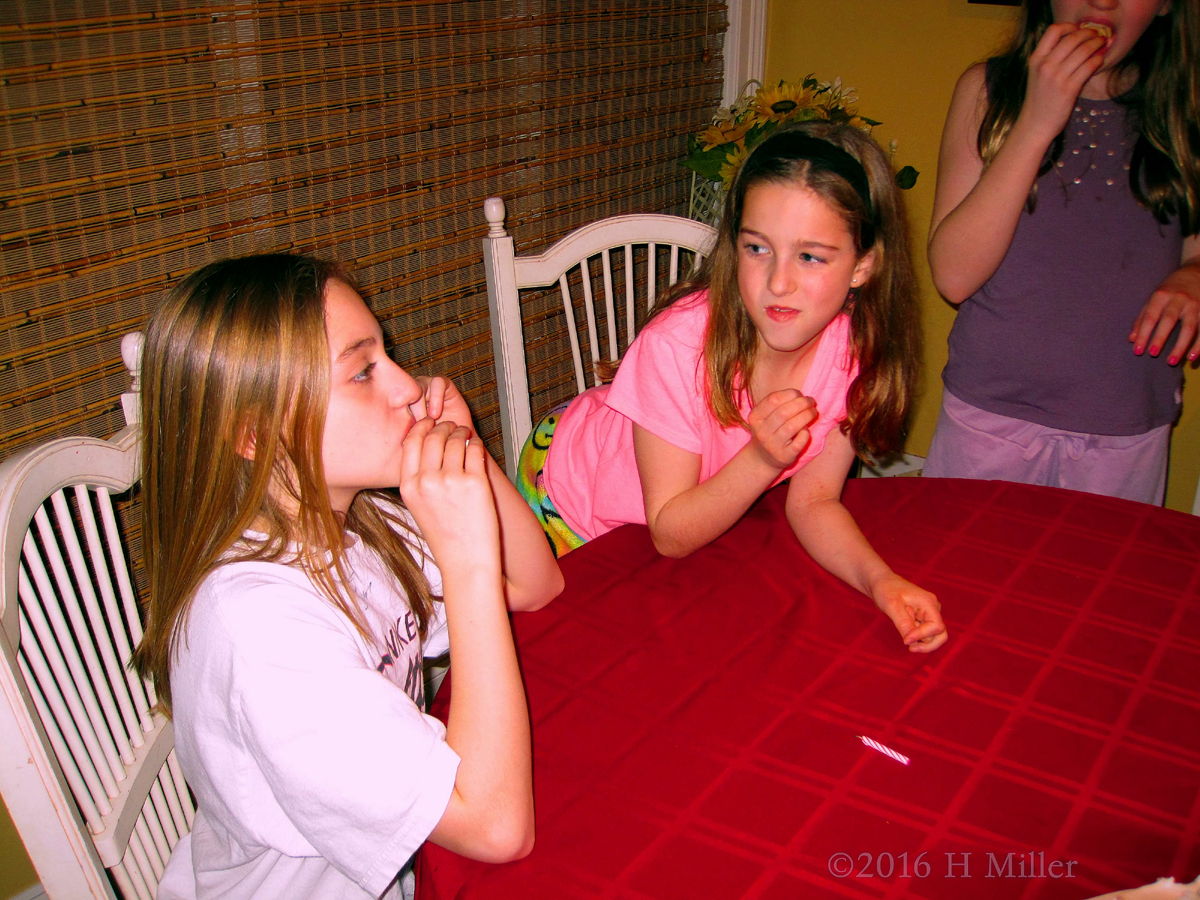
(583, 265)
(87, 768)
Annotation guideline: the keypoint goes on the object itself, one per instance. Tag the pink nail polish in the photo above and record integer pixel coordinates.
(1154, 351)
(1139, 350)
(1172, 360)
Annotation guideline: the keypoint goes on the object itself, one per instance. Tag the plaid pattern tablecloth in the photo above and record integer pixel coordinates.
(696, 722)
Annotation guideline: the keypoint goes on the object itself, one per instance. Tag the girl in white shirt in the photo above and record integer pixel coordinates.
(292, 596)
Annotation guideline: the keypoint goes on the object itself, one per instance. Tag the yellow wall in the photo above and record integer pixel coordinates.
(903, 57)
(16, 872)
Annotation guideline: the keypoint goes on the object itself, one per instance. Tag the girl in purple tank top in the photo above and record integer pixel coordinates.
(1065, 224)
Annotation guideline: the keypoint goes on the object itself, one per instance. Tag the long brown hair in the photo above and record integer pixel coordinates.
(236, 356)
(885, 332)
(1164, 103)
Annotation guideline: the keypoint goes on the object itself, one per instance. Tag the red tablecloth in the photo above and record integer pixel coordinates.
(695, 722)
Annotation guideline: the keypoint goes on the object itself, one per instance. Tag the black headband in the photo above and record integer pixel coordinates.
(827, 156)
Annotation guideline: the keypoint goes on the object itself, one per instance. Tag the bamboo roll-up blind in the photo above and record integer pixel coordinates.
(143, 139)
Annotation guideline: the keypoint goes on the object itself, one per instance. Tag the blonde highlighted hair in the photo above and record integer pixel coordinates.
(235, 388)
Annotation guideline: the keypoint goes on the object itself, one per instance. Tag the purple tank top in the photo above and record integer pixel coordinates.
(1046, 339)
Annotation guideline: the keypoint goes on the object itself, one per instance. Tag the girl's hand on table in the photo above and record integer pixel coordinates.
(779, 426)
(1177, 299)
(914, 611)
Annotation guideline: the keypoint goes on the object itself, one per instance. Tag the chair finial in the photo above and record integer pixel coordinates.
(131, 355)
(493, 211)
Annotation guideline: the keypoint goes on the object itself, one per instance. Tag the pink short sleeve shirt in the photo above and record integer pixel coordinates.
(591, 473)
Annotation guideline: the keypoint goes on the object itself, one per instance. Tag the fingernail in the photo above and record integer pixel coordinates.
(1139, 350)
(1172, 360)
(1154, 351)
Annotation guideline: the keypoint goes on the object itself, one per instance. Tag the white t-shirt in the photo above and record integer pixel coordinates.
(316, 772)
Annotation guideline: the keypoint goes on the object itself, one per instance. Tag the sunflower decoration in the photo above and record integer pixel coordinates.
(836, 96)
(733, 162)
(723, 132)
(717, 152)
(784, 102)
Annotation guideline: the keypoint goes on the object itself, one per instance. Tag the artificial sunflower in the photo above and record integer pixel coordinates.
(727, 131)
(733, 162)
(780, 102)
(717, 152)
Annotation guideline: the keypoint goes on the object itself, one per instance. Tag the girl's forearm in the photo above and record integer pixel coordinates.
(701, 514)
(531, 574)
(490, 814)
(830, 536)
(967, 246)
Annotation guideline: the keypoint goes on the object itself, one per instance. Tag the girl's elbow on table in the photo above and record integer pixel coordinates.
(508, 841)
(666, 541)
(520, 599)
(672, 549)
(498, 835)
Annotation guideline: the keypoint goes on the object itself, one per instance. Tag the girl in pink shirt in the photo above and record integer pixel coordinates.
(795, 349)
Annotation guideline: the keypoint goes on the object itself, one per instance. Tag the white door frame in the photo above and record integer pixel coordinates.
(745, 46)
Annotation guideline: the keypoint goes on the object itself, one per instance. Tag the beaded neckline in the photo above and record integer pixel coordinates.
(1092, 150)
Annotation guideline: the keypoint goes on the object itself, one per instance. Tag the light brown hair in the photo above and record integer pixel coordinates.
(885, 332)
(237, 356)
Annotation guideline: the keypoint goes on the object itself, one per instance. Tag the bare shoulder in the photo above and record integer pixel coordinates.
(969, 102)
(973, 80)
(959, 139)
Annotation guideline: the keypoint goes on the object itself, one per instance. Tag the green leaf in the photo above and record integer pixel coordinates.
(804, 114)
(758, 132)
(906, 178)
(707, 163)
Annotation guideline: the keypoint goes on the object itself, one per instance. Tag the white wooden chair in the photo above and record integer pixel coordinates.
(574, 259)
(87, 769)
